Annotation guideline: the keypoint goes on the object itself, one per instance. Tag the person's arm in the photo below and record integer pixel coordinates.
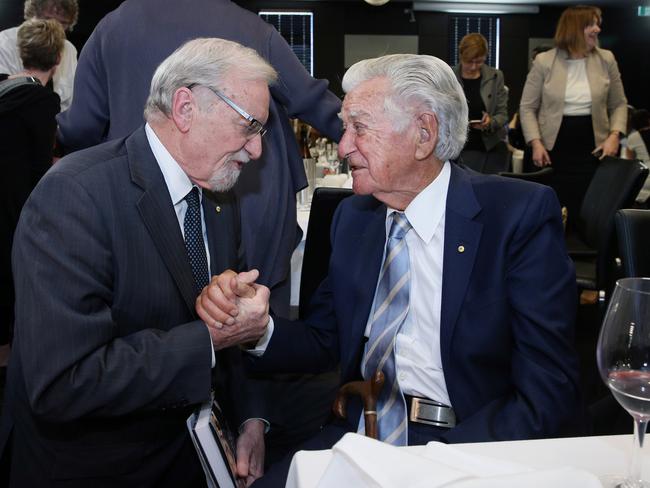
(86, 121)
(500, 116)
(10, 62)
(616, 100)
(63, 79)
(529, 106)
(303, 96)
(616, 109)
(531, 99)
(80, 361)
(541, 286)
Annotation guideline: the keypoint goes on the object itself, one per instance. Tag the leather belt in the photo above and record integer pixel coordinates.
(425, 411)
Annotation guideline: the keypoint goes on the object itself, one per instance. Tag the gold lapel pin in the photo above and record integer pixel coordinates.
(461, 248)
(218, 209)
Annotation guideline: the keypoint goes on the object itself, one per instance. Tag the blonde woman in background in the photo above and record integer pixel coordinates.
(487, 99)
(573, 108)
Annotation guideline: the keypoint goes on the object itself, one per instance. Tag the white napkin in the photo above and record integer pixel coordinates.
(363, 462)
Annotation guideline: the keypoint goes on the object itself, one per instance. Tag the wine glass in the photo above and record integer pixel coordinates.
(624, 361)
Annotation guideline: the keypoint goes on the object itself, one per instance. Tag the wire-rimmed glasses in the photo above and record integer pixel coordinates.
(254, 126)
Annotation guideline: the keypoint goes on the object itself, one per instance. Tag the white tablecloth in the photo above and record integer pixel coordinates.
(605, 456)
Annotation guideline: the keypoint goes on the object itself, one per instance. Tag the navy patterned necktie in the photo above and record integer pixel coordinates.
(389, 312)
(194, 239)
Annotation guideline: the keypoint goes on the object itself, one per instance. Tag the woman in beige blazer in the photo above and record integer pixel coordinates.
(573, 108)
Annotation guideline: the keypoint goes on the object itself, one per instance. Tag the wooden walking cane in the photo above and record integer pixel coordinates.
(369, 392)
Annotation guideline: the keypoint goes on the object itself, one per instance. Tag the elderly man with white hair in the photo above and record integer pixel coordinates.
(456, 285)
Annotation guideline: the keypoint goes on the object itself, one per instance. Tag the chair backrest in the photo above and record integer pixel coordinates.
(543, 176)
(317, 243)
(615, 185)
(633, 231)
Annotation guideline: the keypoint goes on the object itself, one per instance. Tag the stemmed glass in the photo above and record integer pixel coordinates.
(624, 361)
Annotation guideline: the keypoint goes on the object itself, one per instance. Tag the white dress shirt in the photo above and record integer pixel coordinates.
(178, 185)
(63, 79)
(417, 349)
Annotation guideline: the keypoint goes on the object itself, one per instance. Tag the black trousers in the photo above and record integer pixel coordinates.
(572, 162)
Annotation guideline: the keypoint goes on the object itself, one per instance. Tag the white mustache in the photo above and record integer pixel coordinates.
(241, 156)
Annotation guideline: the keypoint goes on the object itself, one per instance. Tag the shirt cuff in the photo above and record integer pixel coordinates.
(267, 425)
(262, 344)
(214, 359)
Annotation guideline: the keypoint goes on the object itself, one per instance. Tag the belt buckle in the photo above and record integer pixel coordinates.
(425, 411)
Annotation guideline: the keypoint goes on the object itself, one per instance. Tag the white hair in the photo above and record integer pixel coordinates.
(416, 81)
(206, 62)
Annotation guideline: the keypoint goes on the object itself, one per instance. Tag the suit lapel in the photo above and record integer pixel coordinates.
(462, 238)
(219, 234)
(365, 272)
(157, 212)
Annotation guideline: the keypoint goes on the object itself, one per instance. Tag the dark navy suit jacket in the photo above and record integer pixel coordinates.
(109, 356)
(508, 308)
(112, 83)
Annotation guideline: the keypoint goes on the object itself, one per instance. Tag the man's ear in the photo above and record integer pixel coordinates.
(427, 136)
(183, 107)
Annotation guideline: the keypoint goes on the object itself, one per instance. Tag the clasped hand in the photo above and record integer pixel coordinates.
(235, 308)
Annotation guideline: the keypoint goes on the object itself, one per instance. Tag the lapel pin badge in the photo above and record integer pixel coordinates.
(218, 209)
(461, 248)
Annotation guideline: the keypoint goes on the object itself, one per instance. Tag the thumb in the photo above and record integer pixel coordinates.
(248, 277)
(242, 284)
(243, 457)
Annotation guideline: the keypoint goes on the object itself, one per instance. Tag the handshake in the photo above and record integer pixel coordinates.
(235, 308)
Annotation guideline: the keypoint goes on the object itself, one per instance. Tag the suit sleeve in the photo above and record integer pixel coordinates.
(80, 362)
(309, 346)
(303, 96)
(616, 100)
(531, 100)
(540, 280)
(500, 115)
(86, 122)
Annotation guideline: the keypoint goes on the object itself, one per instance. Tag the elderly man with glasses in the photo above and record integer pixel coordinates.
(63, 11)
(111, 252)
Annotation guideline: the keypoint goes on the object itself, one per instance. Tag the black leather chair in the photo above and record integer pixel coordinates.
(317, 243)
(633, 232)
(592, 244)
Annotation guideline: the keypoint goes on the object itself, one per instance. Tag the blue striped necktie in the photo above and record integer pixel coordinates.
(194, 239)
(390, 310)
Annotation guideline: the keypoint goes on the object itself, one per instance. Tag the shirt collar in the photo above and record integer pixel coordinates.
(427, 209)
(178, 183)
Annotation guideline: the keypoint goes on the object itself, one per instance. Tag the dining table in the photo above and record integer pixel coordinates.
(606, 457)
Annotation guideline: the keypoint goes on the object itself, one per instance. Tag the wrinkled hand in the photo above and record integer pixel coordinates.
(235, 308)
(250, 451)
(540, 155)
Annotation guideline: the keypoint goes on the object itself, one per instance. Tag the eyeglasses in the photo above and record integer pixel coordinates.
(254, 126)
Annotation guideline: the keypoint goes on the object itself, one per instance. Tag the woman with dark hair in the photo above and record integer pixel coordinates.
(27, 132)
(573, 108)
(487, 98)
